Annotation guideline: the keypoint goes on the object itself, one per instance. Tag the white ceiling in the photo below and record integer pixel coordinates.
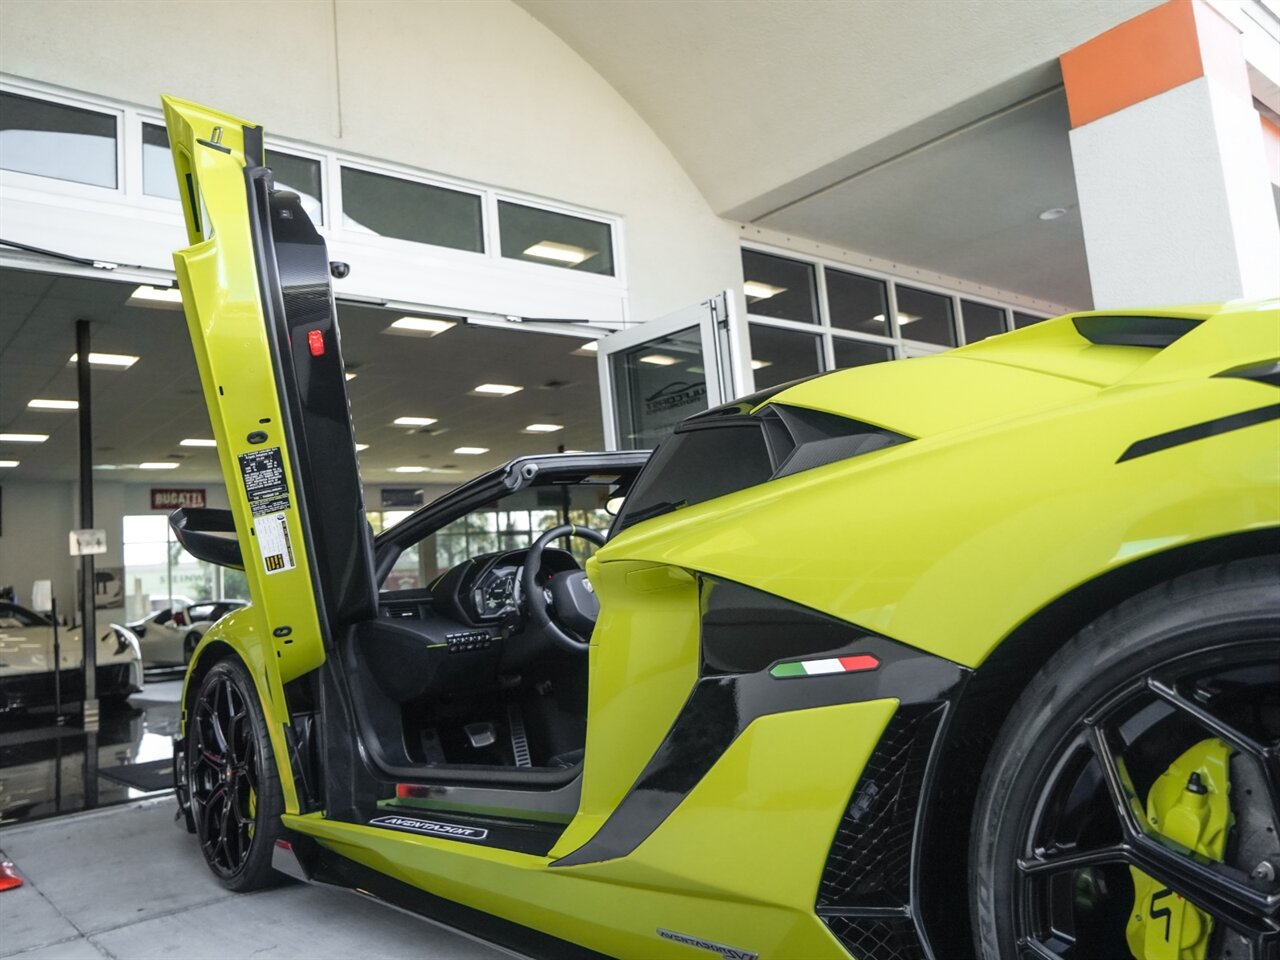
(836, 120)
(142, 413)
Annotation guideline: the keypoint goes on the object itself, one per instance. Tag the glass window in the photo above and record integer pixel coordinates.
(555, 239)
(857, 303)
(405, 210)
(300, 175)
(778, 287)
(1021, 320)
(697, 465)
(54, 140)
(778, 356)
(858, 353)
(925, 316)
(658, 384)
(981, 320)
(158, 176)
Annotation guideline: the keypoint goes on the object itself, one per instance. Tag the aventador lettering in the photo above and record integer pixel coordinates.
(453, 831)
(729, 953)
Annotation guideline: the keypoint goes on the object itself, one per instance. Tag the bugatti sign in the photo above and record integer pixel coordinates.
(171, 498)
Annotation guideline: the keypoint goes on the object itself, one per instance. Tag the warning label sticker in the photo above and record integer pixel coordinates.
(273, 540)
(264, 481)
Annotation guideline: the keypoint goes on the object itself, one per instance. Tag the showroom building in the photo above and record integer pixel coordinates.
(573, 194)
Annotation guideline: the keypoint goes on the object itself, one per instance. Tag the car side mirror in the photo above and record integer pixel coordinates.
(201, 531)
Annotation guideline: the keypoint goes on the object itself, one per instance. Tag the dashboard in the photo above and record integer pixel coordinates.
(497, 592)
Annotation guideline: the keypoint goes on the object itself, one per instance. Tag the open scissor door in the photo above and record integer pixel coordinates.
(259, 305)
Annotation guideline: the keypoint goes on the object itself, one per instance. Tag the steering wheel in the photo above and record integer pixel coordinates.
(569, 594)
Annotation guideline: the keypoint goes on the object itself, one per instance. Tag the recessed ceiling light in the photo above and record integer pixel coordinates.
(756, 290)
(543, 427)
(761, 364)
(361, 446)
(351, 376)
(414, 421)
(408, 469)
(471, 451)
(565, 253)
(119, 360)
(444, 470)
(23, 437)
(1053, 213)
(658, 359)
(41, 404)
(197, 442)
(905, 318)
(158, 465)
(420, 326)
(591, 347)
(497, 389)
(149, 296)
(9, 463)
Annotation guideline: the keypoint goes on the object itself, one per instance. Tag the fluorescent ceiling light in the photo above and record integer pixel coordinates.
(471, 451)
(902, 318)
(414, 421)
(420, 326)
(565, 253)
(158, 465)
(761, 364)
(444, 470)
(1053, 213)
(497, 389)
(591, 346)
(755, 290)
(361, 446)
(543, 427)
(157, 294)
(197, 442)
(9, 463)
(658, 359)
(408, 469)
(351, 376)
(121, 360)
(23, 437)
(41, 404)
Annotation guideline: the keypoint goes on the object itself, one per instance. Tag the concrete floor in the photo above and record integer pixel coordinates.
(128, 883)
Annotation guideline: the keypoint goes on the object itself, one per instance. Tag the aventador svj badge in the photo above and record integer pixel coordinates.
(433, 827)
(729, 953)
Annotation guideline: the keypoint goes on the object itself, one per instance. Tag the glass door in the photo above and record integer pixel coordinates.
(655, 374)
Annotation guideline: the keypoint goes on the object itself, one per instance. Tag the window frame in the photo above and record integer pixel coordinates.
(56, 185)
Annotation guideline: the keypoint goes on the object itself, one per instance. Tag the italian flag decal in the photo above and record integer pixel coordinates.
(813, 668)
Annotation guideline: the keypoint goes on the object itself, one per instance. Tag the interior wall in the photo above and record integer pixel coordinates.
(475, 90)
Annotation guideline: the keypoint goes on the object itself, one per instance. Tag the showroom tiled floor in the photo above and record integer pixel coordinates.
(128, 883)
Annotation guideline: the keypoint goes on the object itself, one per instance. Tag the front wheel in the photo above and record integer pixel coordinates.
(233, 787)
(1131, 804)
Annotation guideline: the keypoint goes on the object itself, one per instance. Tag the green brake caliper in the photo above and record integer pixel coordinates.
(1190, 804)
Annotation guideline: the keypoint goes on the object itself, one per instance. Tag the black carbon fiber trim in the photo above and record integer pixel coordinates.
(1156, 332)
(1201, 431)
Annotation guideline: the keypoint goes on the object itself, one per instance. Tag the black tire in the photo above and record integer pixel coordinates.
(189, 644)
(1224, 619)
(233, 786)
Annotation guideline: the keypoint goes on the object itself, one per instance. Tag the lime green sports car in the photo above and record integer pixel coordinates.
(970, 655)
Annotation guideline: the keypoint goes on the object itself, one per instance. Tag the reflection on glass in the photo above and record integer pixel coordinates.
(778, 287)
(1021, 320)
(159, 574)
(858, 353)
(53, 140)
(658, 384)
(981, 320)
(924, 316)
(555, 239)
(857, 303)
(300, 175)
(778, 356)
(406, 210)
(158, 176)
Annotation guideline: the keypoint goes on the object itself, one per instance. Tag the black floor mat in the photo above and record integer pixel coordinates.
(150, 776)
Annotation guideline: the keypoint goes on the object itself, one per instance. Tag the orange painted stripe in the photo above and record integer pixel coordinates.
(1271, 147)
(1139, 59)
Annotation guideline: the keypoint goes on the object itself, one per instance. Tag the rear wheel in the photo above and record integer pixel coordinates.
(1131, 804)
(189, 644)
(233, 788)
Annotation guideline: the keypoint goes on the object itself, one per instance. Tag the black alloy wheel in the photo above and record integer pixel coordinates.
(233, 788)
(1068, 858)
(189, 644)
